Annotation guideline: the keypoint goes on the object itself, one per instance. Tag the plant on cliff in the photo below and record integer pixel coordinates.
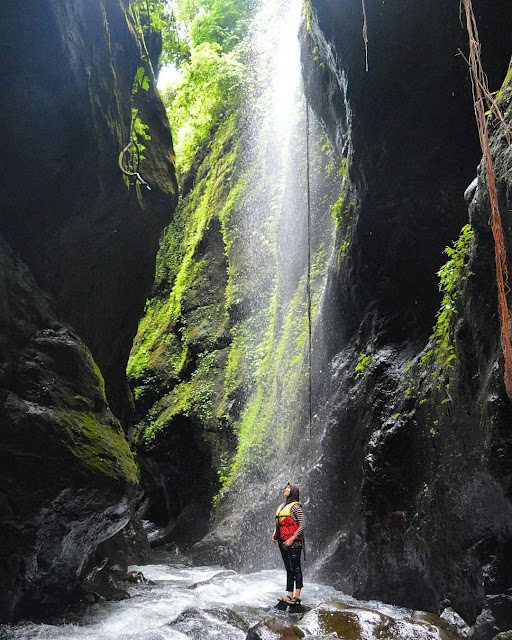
(363, 363)
(441, 352)
(132, 154)
(211, 84)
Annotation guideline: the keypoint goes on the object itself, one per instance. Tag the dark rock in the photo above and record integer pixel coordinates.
(494, 618)
(485, 626)
(88, 238)
(193, 622)
(103, 590)
(231, 617)
(67, 473)
(453, 618)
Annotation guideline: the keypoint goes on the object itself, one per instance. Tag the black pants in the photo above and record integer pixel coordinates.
(291, 559)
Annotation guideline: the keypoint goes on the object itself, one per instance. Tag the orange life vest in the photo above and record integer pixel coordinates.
(285, 524)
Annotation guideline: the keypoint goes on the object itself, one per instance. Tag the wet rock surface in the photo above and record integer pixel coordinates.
(341, 620)
(350, 622)
(233, 607)
(408, 449)
(67, 475)
(271, 630)
(74, 277)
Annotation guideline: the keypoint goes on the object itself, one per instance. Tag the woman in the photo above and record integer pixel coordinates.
(289, 534)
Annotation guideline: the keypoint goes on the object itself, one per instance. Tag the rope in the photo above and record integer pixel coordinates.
(365, 34)
(308, 279)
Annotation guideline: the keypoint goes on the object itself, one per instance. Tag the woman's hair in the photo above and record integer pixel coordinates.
(294, 493)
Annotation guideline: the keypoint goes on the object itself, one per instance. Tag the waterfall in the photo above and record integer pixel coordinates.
(272, 235)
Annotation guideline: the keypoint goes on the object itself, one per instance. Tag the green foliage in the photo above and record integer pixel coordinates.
(212, 84)
(439, 355)
(141, 80)
(219, 22)
(441, 352)
(192, 398)
(363, 363)
(164, 331)
(213, 71)
(279, 363)
(339, 209)
(132, 155)
(266, 350)
(157, 15)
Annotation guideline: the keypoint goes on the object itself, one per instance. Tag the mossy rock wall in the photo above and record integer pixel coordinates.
(68, 476)
(77, 258)
(219, 366)
(88, 237)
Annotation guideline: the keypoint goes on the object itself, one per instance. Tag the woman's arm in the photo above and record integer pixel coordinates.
(298, 516)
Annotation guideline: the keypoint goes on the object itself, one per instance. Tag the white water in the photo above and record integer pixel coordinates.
(220, 609)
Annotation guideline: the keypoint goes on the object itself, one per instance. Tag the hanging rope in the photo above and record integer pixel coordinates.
(482, 100)
(365, 34)
(308, 279)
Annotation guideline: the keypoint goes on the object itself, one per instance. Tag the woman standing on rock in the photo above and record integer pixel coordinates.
(289, 534)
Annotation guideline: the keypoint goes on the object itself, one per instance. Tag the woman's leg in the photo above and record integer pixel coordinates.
(296, 569)
(285, 554)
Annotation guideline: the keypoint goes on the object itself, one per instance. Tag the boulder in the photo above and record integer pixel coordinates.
(352, 623)
(272, 629)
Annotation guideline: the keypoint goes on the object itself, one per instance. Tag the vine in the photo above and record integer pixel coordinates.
(485, 102)
(131, 156)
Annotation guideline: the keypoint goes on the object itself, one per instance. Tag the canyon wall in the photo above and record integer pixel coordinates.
(78, 251)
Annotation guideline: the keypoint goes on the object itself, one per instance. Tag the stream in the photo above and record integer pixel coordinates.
(185, 601)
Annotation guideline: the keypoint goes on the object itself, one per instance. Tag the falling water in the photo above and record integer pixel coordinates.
(273, 238)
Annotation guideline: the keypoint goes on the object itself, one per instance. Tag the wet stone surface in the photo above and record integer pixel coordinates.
(225, 605)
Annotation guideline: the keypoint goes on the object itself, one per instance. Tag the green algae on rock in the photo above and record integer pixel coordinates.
(353, 622)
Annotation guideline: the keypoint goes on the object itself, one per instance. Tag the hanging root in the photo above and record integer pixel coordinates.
(484, 101)
(365, 34)
(132, 174)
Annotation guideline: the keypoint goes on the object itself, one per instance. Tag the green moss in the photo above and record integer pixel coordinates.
(165, 330)
(279, 363)
(363, 364)
(308, 15)
(99, 445)
(428, 377)
(506, 87)
(99, 376)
